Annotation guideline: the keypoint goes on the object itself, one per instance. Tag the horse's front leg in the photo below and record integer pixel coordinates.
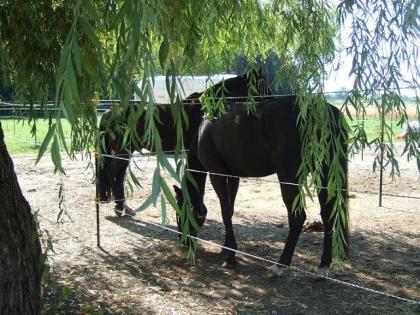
(118, 190)
(226, 197)
(296, 218)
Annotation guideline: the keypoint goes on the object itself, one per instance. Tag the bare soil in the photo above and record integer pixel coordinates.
(142, 269)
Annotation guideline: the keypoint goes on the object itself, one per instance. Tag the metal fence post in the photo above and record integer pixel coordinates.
(382, 146)
(98, 232)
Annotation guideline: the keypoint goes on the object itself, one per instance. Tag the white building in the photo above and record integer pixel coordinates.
(186, 85)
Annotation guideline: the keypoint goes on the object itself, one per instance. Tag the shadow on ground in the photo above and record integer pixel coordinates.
(153, 275)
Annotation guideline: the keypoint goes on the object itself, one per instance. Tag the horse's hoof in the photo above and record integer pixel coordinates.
(321, 274)
(229, 265)
(323, 271)
(129, 211)
(224, 251)
(275, 271)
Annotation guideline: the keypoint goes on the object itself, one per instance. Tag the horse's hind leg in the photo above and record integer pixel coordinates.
(327, 207)
(232, 189)
(223, 188)
(296, 218)
(233, 185)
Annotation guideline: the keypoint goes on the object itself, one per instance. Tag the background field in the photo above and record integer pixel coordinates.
(18, 136)
(20, 140)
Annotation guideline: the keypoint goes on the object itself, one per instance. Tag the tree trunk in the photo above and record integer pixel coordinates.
(21, 262)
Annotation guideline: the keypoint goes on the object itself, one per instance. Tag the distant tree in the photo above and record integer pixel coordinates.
(274, 69)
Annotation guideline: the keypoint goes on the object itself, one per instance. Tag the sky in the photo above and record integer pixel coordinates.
(339, 80)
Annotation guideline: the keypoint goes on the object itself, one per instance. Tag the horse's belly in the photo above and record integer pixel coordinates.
(239, 150)
(250, 164)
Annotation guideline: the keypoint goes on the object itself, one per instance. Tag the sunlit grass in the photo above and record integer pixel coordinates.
(372, 127)
(18, 137)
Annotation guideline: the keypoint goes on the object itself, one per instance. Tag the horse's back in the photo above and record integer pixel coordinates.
(248, 144)
(254, 144)
(235, 143)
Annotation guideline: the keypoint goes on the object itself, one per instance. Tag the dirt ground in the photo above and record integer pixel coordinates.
(142, 269)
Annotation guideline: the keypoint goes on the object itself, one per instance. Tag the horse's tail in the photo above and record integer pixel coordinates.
(341, 133)
(345, 192)
(339, 204)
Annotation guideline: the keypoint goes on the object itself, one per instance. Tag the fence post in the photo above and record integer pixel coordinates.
(98, 232)
(363, 126)
(382, 146)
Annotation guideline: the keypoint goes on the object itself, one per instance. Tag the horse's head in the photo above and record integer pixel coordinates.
(199, 212)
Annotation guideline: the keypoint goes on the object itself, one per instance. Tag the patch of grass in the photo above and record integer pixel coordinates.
(372, 127)
(372, 112)
(372, 123)
(18, 137)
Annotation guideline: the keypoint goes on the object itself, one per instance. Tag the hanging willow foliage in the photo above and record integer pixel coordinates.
(109, 45)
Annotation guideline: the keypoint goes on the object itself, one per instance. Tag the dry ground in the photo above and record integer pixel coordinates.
(143, 269)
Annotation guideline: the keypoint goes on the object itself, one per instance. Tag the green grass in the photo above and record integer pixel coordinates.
(372, 127)
(19, 140)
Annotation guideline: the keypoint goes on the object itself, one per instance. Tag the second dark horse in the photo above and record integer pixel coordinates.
(112, 171)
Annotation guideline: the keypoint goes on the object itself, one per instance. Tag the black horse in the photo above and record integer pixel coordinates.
(113, 170)
(255, 145)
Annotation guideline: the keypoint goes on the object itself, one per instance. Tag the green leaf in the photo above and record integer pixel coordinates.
(163, 52)
(76, 57)
(62, 64)
(192, 220)
(46, 142)
(134, 178)
(91, 10)
(87, 66)
(125, 138)
(55, 155)
(65, 54)
(168, 194)
(120, 15)
(88, 31)
(165, 163)
(61, 135)
(145, 204)
(191, 179)
(163, 206)
(155, 186)
(71, 81)
(173, 83)
(68, 108)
